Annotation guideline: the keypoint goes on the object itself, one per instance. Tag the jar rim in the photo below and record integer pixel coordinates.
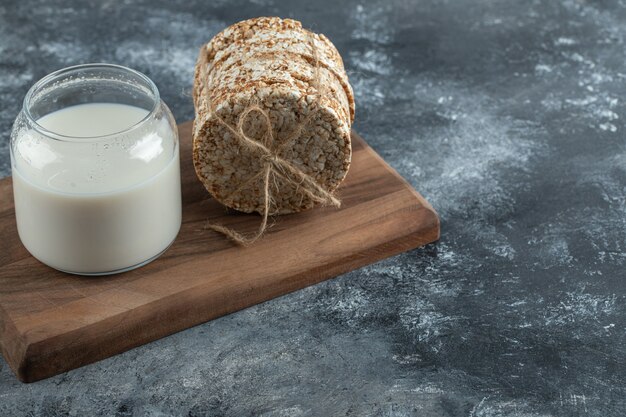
(96, 65)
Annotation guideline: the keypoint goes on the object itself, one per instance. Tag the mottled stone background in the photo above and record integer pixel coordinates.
(506, 115)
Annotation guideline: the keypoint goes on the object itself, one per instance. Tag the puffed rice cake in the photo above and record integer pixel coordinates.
(270, 62)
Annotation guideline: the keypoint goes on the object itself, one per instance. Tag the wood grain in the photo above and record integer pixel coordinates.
(51, 322)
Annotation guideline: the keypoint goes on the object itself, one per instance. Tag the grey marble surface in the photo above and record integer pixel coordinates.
(508, 116)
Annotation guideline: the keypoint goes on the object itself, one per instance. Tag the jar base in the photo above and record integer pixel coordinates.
(117, 271)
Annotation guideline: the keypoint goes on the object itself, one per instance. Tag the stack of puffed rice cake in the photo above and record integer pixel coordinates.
(271, 62)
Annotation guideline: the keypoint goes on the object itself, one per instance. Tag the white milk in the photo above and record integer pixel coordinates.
(99, 214)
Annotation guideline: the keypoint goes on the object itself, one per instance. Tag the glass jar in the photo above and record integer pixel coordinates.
(96, 174)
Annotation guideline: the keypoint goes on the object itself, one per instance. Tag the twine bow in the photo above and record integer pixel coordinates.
(274, 165)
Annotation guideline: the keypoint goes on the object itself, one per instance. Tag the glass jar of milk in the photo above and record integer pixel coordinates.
(96, 177)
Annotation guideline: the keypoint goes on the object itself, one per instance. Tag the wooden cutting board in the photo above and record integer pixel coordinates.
(51, 322)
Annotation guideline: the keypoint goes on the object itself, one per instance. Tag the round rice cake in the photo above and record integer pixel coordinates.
(283, 83)
(322, 150)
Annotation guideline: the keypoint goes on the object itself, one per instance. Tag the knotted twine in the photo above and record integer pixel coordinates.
(269, 151)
